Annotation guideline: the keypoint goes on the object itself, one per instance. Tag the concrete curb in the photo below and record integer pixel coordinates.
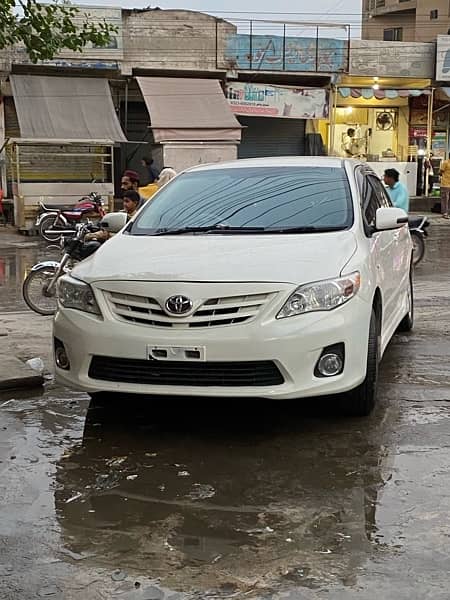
(14, 374)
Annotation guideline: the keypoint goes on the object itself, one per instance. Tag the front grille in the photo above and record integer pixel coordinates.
(210, 313)
(154, 372)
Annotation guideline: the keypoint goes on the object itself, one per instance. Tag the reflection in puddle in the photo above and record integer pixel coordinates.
(280, 498)
(15, 264)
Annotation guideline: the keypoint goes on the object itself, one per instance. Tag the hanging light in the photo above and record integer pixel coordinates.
(376, 86)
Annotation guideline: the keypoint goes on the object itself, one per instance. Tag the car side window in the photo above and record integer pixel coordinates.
(371, 202)
(380, 190)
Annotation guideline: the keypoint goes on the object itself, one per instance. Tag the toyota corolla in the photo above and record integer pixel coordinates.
(280, 278)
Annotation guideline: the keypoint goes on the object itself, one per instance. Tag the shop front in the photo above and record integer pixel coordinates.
(279, 120)
(60, 134)
(373, 124)
(191, 122)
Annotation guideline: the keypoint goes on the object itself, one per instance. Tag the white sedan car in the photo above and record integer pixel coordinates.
(279, 278)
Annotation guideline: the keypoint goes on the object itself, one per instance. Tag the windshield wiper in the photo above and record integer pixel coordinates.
(237, 230)
(209, 229)
(306, 229)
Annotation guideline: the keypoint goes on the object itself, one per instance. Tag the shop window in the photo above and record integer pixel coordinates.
(434, 14)
(394, 34)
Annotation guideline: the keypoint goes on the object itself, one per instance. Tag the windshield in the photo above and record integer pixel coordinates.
(250, 200)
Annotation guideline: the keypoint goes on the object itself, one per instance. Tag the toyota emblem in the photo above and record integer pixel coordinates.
(178, 305)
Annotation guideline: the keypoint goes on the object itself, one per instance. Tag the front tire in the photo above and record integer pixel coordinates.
(407, 323)
(361, 401)
(418, 247)
(35, 291)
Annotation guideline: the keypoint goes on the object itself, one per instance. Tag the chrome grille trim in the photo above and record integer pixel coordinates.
(212, 312)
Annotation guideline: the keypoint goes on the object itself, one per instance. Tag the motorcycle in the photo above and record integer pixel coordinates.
(39, 287)
(418, 230)
(52, 223)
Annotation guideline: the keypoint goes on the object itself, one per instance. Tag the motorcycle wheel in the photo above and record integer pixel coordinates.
(418, 247)
(45, 227)
(35, 292)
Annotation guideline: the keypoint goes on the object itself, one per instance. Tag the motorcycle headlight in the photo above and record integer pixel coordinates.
(321, 295)
(73, 293)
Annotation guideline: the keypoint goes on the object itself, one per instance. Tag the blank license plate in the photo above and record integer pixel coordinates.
(176, 353)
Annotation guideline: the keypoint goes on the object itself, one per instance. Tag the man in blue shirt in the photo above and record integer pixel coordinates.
(397, 191)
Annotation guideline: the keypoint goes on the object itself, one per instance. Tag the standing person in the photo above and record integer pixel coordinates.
(164, 177)
(129, 181)
(152, 171)
(445, 187)
(348, 144)
(430, 172)
(397, 191)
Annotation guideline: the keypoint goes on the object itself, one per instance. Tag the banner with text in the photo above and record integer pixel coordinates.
(273, 101)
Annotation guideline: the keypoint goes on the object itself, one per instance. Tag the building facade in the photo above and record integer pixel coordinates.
(188, 88)
(405, 20)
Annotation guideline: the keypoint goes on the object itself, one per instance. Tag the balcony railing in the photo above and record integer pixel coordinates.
(278, 46)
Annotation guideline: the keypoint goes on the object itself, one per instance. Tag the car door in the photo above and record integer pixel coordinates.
(380, 245)
(391, 257)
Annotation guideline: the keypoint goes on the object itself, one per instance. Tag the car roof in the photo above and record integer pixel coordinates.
(279, 161)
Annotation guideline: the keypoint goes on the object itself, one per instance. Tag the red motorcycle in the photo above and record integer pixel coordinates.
(53, 222)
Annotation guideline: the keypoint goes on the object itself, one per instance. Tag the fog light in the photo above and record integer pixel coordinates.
(331, 361)
(61, 358)
(330, 365)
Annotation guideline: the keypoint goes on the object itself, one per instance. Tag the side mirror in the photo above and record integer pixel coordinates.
(114, 221)
(390, 218)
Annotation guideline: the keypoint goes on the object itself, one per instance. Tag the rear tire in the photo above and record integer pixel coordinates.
(407, 323)
(418, 247)
(361, 401)
(46, 225)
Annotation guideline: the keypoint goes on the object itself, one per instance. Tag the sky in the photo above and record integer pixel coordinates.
(334, 11)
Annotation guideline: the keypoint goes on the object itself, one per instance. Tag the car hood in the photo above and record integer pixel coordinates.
(289, 258)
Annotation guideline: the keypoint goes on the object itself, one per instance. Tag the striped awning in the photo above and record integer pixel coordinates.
(369, 93)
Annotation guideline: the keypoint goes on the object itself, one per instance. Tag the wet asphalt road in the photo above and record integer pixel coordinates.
(188, 499)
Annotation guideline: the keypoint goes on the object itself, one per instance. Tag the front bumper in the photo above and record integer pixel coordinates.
(293, 344)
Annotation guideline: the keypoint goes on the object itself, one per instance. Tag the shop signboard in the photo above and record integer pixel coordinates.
(443, 58)
(374, 58)
(439, 144)
(275, 101)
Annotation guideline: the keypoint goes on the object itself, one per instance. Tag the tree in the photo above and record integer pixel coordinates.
(46, 29)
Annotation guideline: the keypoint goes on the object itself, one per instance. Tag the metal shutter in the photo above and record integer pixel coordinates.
(268, 136)
(137, 131)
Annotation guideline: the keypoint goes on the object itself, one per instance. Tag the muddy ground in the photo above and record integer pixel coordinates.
(223, 499)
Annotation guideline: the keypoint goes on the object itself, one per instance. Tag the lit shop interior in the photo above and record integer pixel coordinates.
(373, 124)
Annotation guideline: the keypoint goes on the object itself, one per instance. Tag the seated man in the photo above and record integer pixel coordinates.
(397, 191)
(131, 200)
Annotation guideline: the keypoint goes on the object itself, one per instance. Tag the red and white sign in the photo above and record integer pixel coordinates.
(273, 101)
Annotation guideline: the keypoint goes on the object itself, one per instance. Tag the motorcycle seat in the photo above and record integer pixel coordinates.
(414, 222)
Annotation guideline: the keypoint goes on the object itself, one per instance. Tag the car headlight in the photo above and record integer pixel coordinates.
(321, 295)
(73, 293)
